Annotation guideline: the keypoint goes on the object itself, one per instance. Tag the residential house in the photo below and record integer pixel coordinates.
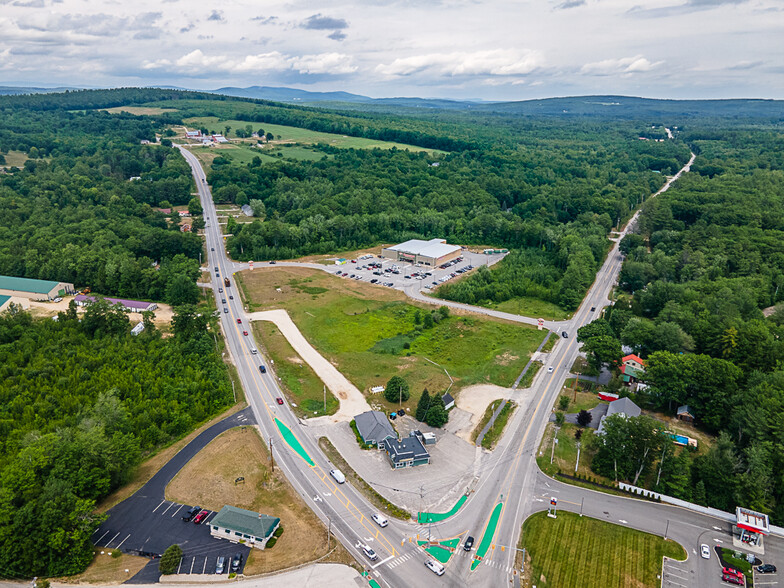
(684, 413)
(406, 453)
(374, 427)
(632, 368)
(183, 213)
(624, 407)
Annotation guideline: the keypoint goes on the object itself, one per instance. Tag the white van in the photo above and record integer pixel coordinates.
(338, 475)
(435, 567)
(253, 350)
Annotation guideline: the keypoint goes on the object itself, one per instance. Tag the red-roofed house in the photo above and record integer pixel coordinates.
(634, 361)
(632, 368)
(183, 213)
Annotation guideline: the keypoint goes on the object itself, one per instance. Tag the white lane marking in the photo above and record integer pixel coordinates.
(676, 584)
(677, 576)
(178, 510)
(717, 528)
(112, 539)
(622, 521)
(167, 508)
(123, 541)
(101, 537)
(383, 561)
(193, 561)
(204, 569)
(159, 506)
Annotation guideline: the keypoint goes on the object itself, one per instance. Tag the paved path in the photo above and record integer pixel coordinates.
(352, 402)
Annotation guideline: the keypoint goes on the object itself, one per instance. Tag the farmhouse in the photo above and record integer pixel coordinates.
(129, 305)
(433, 253)
(374, 427)
(237, 524)
(33, 289)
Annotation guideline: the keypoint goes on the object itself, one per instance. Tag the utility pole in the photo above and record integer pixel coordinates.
(325, 399)
(667, 529)
(272, 458)
(577, 463)
(555, 440)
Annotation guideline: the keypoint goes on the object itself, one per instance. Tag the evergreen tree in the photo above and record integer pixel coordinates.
(423, 405)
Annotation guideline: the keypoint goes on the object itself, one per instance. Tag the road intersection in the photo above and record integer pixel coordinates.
(510, 486)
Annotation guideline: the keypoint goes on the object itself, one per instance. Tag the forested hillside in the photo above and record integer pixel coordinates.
(80, 403)
(709, 257)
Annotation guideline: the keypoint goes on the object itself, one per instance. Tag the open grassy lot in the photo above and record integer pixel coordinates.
(580, 552)
(534, 308)
(15, 159)
(305, 390)
(371, 333)
(565, 455)
(107, 568)
(297, 135)
(208, 480)
(141, 110)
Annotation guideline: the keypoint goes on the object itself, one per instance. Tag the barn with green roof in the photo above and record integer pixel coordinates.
(33, 289)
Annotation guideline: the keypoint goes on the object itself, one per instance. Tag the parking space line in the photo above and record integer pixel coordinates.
(676, 584)
(210, 516)
(159, 506)
(167, 508)
(112, 539)
(677, 576)
(204, 568)
(193, 561)
(178, 510)
(123, 541)
(101, 537)
(180, 565)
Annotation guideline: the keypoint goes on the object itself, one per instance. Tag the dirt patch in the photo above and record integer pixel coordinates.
(163, 314)
(107, 569)
(475, 400)
(209, 480)
(506, 358)
(352, 402)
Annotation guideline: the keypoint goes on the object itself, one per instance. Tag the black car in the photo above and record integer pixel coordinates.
(272, 262)
(469, 543)
(236, 562)
(766, 569)
(190, 513)
(262, 369)
(565, 335)
(593, 308)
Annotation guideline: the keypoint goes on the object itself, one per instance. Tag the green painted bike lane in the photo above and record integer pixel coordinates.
(293, 442)
(435, 517)
(487, 538)
(443, 550)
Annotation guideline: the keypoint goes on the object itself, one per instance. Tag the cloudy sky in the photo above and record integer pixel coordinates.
(488, 49)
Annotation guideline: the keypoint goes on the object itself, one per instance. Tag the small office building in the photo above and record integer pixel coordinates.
(431, 253)
(33, 289)
(406, 453)
(374, 427)
(240, 525)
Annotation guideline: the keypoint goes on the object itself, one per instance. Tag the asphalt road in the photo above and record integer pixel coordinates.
(510, 479)
(147, 524)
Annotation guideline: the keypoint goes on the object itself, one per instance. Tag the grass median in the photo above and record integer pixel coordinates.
(496, 430)
(367, 490)
(581, 552)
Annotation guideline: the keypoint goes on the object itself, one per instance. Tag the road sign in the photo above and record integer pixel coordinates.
(250, 265)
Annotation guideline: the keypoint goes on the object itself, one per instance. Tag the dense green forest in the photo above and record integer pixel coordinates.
(73, 214)
(709, 256)
(81, 401)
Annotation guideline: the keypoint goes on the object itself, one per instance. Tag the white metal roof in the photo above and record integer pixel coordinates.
(434, 248)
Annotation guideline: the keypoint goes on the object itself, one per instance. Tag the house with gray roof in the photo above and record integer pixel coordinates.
(406, 453)
(622, 406)
(243, 526)
(374, 427)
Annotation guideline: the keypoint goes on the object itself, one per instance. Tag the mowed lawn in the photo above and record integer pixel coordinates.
(580, 552)
(370, 333)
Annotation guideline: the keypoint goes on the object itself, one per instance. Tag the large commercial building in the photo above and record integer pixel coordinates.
(33, 289)
(432, 253)
(129, 305)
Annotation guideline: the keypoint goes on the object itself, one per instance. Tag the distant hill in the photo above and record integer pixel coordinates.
(15, 90)
(290, 94)
(632, 107)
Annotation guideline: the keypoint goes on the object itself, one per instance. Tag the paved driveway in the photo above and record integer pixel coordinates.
(146, 523)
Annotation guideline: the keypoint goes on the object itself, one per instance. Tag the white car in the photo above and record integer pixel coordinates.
(371, 555)
(435, 567)
(705, 551)
(380, 519)
(550, 370)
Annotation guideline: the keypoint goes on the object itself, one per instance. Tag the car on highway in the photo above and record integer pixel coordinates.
(190, 513)
(593, 308)
(766, 569)
(564, 334)
(239, 321)
(220, 565)
(435, 567)
(220, 290)
(245, 333)
(262, 369)
(380, 519)
(273, 262)
(279, 400)
(550, 370)
(223, 300)
(231, 297)
(226, 310)
(212, 248)
(201, 516)
(236, 562)
(469, 543)
(705, 551)
(369, 553)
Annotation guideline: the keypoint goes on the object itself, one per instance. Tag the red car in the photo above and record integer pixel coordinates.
(279, 400)
(731, 572)
(732, 579)
(245, 333)
(201, 516)
(239, 321)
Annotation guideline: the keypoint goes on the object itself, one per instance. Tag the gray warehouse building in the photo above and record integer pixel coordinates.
(432, 253)
(33, 289)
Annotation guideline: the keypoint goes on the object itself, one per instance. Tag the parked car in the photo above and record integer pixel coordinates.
(380, 519)
(58, 299)
(731, 572)
(705, 551)
(220, 565)
(190, 513)
(766, 569)
(236, 562)
(279, 400)
(738, 581)
(201, 516)
(469, 543)
(435, 567)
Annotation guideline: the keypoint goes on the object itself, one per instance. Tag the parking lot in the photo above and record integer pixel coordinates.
(146, 524)
(404, 275)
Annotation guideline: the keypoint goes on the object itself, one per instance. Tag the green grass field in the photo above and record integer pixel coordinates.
(580, 552)
(533, 307)
(15, 159)
(298, 135)
(370, 334)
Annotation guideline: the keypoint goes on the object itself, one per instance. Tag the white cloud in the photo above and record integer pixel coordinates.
(497, 62)
(622, 66)
(324, 63)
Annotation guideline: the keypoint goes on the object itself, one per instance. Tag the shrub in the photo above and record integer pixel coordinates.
(170, 559)
(279, 531)
(396, 389)
(271, 543)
